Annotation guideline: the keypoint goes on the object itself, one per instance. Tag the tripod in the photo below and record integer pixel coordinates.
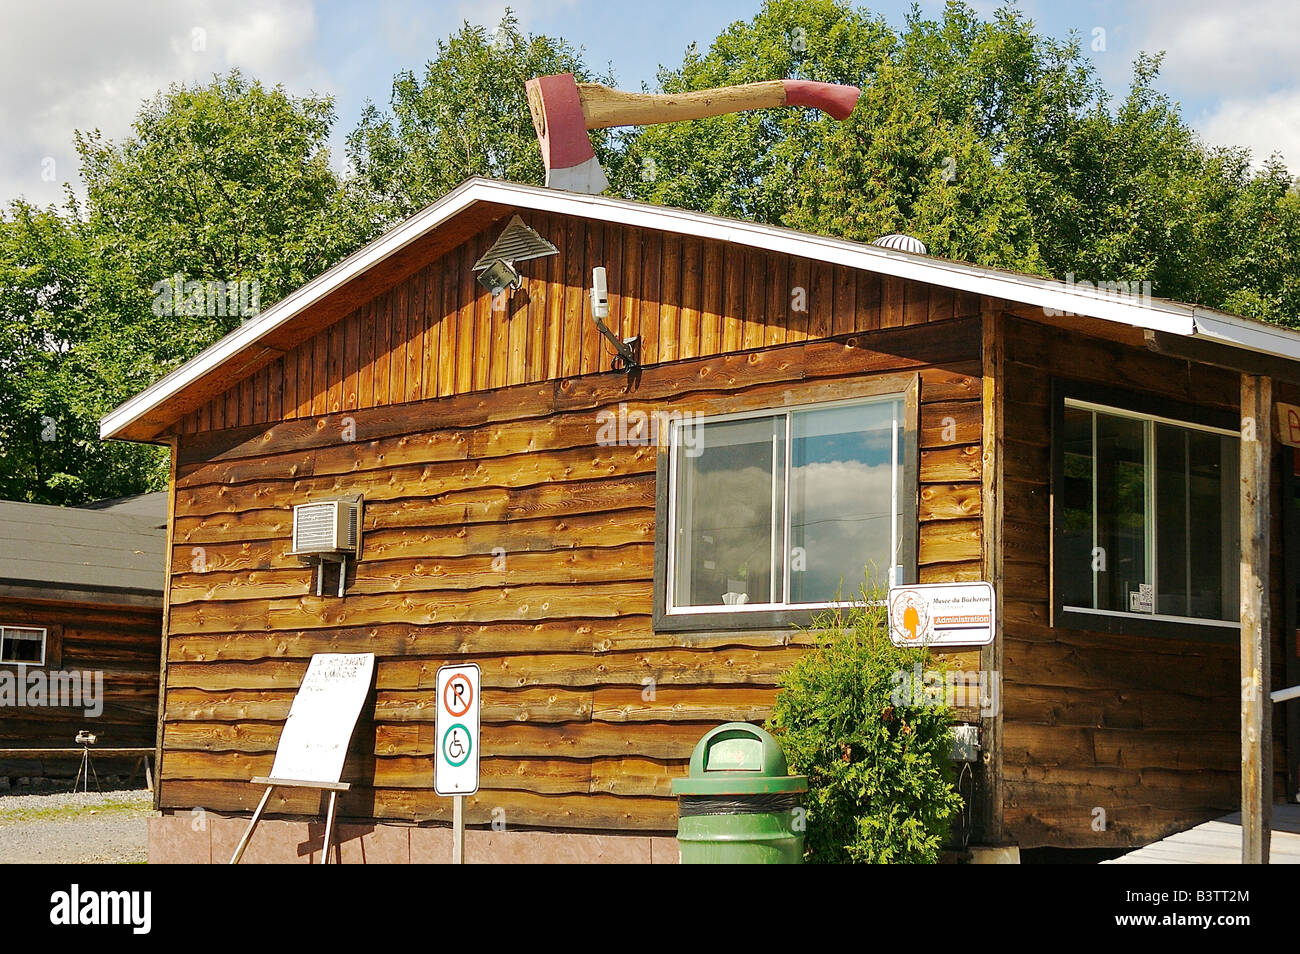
(86, 770)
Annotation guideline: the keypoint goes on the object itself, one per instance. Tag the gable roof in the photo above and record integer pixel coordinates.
(477, 202)
(108, 552)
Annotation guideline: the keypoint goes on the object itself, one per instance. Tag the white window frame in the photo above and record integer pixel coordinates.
(1150, 516)
(898, 423)
(45, 644)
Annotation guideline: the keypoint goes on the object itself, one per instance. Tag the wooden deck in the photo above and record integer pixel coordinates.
(1219, 843)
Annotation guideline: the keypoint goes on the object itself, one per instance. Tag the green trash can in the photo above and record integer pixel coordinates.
(739, 805)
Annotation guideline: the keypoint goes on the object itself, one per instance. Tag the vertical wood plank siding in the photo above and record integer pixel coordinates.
(437, 333)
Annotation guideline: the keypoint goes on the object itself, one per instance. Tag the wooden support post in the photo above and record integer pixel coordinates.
(248, 832)
(1256, 708)
(166, 623)
(329, 828)
(993, 399)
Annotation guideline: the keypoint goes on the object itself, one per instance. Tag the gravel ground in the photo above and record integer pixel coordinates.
(75, 828)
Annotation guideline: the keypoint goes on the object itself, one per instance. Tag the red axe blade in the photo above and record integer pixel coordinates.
(564, 109)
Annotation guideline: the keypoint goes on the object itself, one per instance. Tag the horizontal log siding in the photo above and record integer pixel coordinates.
(563, 632)
(1144, 728)
(123, 643)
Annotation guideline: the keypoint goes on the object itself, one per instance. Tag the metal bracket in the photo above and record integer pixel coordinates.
(320, 574)
(629, 349)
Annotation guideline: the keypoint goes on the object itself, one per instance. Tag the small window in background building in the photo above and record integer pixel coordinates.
(784, 510)
(1149, 518)
(23, 645)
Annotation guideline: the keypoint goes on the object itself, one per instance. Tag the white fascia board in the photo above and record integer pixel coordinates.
(1045, 293)
(251, 332)
(1247, 334)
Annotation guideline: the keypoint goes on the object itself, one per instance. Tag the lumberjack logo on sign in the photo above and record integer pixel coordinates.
(457, 731)
(941, 614)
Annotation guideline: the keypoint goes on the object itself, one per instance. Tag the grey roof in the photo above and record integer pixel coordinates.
(114, 546)
(152, 506)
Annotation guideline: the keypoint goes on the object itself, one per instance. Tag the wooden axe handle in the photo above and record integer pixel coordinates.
(602, 106)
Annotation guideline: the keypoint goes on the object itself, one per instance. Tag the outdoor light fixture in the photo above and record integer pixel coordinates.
(498, 276)
(628, 350)
(518, 243)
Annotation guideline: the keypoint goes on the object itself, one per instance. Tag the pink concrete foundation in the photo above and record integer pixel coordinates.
(210, 838)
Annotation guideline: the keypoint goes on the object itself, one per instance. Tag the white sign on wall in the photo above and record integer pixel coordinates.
(456, 733)
(314, 743)
(941, 614)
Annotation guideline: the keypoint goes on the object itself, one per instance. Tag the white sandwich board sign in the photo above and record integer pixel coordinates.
(941, 614)
(314, 743)
(456, 732)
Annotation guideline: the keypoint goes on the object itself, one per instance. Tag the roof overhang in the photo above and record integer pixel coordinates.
(37, 591)
(478, 202)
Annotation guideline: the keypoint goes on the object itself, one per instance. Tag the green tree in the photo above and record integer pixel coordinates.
(225, 182)
(924, 152)
(987, 140)
(221, 183)
(61, 367)
(467, 116)
(1261, 250)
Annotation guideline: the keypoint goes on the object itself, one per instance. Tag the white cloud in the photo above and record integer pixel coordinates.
(1266, 124)
(67, 66)
(1231, 66)
(1225, 49)
(411, 29)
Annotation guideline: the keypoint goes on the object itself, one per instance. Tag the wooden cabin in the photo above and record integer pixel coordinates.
(81, 604)
(1075, 446)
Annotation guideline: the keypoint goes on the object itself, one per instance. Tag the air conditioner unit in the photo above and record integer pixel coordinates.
(327, 528)
(327, 531)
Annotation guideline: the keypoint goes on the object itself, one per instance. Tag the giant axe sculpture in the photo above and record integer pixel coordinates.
(564, 109)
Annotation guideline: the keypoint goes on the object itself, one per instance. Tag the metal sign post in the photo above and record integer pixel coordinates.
(456, 759)
(458, 830)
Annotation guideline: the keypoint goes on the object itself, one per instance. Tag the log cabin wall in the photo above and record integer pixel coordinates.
(123, 643)
(1145, 728)
(498, 530)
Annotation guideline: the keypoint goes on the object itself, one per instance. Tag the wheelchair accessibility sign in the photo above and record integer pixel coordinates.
(455, 769)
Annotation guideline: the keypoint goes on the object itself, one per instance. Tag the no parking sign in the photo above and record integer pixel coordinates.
(455, 770)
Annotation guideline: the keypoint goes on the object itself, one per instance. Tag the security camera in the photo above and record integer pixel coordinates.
(627, 350)
(599, 293)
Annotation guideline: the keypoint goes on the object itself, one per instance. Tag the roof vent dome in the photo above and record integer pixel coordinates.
(902, 243)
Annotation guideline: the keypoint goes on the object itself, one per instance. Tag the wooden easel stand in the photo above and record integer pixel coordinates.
(272, 783)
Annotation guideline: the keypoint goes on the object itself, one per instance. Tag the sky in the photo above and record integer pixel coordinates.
(88, 64)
